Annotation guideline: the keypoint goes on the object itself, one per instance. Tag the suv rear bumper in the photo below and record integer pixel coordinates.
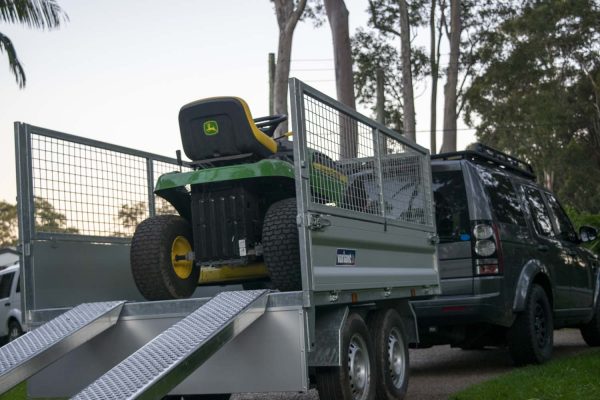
(462, 310)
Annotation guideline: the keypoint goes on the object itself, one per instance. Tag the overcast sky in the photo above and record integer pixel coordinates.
(119, 71)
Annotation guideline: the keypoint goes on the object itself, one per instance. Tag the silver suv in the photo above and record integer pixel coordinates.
(11, 325)
(512, 267)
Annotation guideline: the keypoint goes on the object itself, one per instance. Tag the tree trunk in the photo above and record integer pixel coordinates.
(287, 18)
(408, 106)
(449, 142)
(434, 59)
(337, 15)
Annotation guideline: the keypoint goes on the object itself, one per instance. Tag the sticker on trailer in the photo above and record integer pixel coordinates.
(345, 257)
(242, 247)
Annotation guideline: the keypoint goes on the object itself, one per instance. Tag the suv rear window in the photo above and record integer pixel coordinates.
(541, 218)
(451, 206)
(562, 221)
(505, 202)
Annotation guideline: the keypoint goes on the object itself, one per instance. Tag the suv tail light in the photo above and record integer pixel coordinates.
(486, 249)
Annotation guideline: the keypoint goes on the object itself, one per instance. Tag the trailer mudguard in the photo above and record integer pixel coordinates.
(172, 186)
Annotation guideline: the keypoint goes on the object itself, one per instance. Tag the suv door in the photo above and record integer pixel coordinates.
(5, 286)
(580, 269)
(550, 250)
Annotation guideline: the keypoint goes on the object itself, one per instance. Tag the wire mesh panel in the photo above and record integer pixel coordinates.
(79, 188)
(405, 184)
(360, 167)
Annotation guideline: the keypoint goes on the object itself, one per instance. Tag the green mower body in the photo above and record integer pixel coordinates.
(239, 174)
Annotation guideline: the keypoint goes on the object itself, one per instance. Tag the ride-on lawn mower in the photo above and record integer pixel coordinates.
(237, 207)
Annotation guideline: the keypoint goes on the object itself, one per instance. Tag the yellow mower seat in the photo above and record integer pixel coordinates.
(222, 127)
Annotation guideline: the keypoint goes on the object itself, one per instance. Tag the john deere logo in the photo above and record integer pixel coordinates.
(211, 128)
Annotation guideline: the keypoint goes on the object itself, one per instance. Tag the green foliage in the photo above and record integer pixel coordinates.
(41, 14)
(130, 215)
(47, 219)
(536, 92)
(377, 48)
(8, 224)
(567, 378)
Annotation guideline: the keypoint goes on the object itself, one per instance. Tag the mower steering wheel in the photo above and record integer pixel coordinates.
(269, 123)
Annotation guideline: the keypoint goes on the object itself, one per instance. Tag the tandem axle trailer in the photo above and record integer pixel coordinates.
(94, 337)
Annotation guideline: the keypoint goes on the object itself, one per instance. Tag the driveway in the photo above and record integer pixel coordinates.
(440, 371)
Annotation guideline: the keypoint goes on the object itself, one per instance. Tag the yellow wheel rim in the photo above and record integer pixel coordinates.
(180, 248)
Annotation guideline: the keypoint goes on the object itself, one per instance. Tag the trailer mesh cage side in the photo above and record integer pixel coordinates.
(91, 189)
(363, 167)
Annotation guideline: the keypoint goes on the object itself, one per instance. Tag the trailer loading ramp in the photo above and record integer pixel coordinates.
(34, 351)
(155, 368)
(164, 362)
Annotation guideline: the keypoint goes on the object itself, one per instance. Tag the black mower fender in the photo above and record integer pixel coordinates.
(180, 199)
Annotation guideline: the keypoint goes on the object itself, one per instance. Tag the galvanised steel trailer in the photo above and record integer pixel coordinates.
(94, 337)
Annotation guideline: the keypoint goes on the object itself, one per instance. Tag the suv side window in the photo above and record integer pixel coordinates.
(5, 284)
(539, 212)
(564, 228)
(505, 201)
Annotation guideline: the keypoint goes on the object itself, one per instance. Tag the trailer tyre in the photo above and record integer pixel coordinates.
(281, 250)
(157, 248)
(530, 338)
(391, 354)
(591, 331)
(355, 379)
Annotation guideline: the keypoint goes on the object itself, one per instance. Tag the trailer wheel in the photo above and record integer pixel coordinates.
(157, 250)
(280, 245)
(530, 338)
(355, 379)
(391, 354)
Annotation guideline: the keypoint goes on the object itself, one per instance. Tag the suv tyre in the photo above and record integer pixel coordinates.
(591, 331)
(530, 338)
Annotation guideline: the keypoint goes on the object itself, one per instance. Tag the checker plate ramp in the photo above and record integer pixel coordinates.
(39, 348)
(164, 362)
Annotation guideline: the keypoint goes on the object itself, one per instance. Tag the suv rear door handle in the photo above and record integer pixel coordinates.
(7, 304)
(543, 247)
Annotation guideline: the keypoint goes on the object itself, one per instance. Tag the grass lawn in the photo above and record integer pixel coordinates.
(19, 392)
(575, 377)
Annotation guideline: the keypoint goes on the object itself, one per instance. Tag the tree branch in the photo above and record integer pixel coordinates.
(377, 24)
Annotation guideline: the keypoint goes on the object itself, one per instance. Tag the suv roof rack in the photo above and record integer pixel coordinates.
(485, 154)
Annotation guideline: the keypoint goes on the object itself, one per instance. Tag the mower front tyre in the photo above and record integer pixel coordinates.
(281, 250)
(159, 258)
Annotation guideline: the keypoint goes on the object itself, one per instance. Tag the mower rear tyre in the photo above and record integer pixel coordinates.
(159, 268)
(280, 245)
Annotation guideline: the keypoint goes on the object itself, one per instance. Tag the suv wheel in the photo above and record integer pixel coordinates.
(530, 339)
(591, 331)
(14, 330)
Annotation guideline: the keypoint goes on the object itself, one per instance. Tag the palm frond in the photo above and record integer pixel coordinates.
(43, 14)
(13, 62)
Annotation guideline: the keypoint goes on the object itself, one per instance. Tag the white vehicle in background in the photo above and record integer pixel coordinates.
(11, 325)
